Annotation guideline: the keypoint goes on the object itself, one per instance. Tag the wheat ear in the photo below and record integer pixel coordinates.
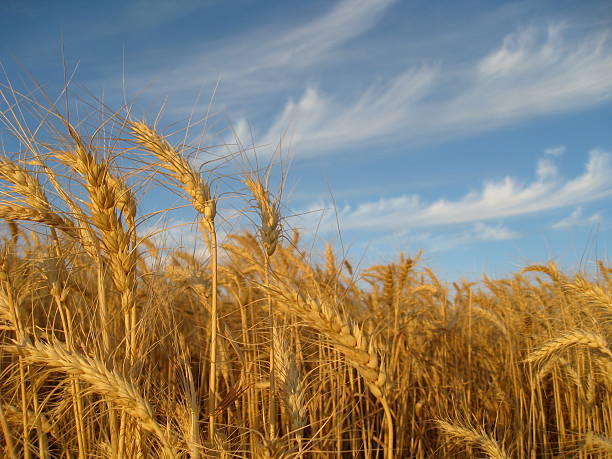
(590, 293)
(268, 209)
(593, 441)
(110, 384)
(179, 168)
(105, 198)
(290, 384)
(478, 438)
(36, 206)
(348, 337)
(584, 338)
(360, 350)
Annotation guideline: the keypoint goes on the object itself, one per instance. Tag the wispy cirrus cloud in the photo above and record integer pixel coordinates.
(478, 232)
(535, 71)
(495, 200)
(250, 65)
(309, 43)
(317, 123)
(555, 151)
(499, 232)
(577, 218)
(443, 241)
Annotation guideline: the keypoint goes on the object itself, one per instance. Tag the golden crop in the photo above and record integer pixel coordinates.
(112, 346)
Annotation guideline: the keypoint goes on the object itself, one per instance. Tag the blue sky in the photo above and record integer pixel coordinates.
(479, 131)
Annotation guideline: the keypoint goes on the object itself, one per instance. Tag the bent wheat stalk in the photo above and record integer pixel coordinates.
(205, 204)
(110, 384)
(592, 341)
(32, 203)
(478, 438)
(347, 337)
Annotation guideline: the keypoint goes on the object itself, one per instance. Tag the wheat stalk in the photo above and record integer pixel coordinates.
(269, 230)
(204, 203)
(10, 448)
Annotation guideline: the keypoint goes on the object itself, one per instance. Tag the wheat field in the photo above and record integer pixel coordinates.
(113, 345)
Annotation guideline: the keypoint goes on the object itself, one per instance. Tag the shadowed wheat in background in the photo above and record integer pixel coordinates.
(112, 346)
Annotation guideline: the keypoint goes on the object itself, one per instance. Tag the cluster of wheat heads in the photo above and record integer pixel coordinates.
(112, 346)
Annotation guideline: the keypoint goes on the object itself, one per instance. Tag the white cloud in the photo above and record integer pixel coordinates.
(479, 232)
(319, 123)
(442, 242)
(240, 133)
(511, 55)
(483, 232)
(309, 43)
(555, 151)
(534, 72)
(432, 242)
(576, 218)
(546, 169)
(496, 199)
